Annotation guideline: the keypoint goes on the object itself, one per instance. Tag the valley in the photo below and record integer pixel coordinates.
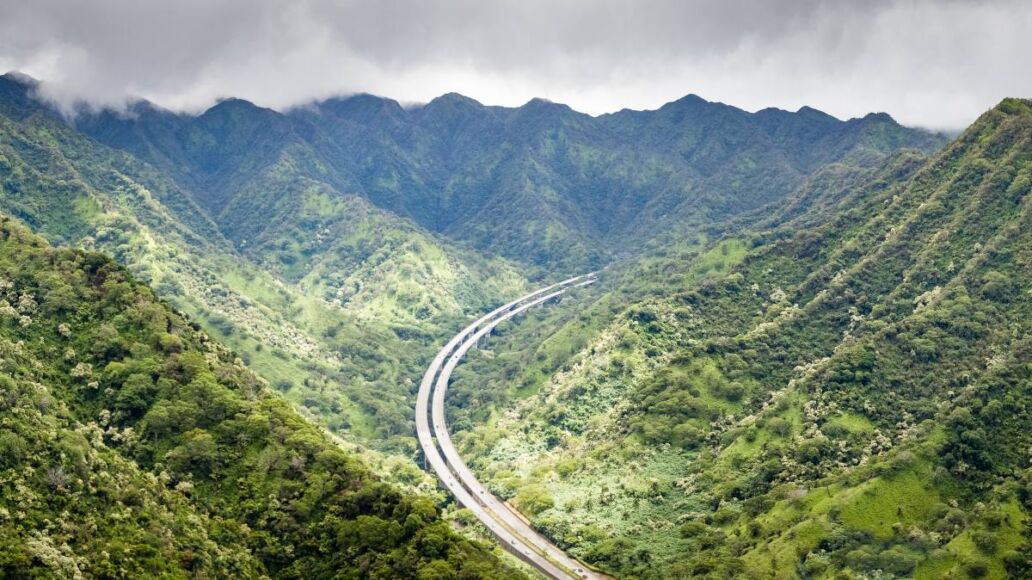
(816, 395)
(806, 354)
(507, 527)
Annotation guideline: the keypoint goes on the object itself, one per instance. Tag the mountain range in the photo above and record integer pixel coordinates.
(838, 386)
(540, 184)
(318, 241)
(806, 355)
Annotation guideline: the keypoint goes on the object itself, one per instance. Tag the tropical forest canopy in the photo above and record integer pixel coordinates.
(807, 355)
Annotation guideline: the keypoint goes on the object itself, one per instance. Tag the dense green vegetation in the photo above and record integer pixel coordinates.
(134, 445)
(540, 184)
(339, 314)
(293, 238)
(809, 355)
(840, 386)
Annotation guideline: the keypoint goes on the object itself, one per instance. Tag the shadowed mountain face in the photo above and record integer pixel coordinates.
(541, 183)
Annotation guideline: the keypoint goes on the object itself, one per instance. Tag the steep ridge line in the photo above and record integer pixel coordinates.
(513, 533)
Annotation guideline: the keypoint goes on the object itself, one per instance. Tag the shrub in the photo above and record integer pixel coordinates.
(534, 499)
(780, 427)
(986, 542)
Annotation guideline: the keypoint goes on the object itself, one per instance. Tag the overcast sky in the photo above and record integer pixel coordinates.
(929, 63)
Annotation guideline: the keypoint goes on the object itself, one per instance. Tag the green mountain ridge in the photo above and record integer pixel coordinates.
(808, 355)
(541, 184)
(132, 444)
(296, 310)
(350, 298)
(839, 388)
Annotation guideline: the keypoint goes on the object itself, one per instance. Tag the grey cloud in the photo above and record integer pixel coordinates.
(932, 63)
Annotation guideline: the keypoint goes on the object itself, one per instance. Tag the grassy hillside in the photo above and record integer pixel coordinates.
(135, 445)
(843, 388)
(335, 302)
(790, 354)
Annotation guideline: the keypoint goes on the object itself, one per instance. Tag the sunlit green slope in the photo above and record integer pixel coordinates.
(132, 444)
(337, 303)
(842, 387)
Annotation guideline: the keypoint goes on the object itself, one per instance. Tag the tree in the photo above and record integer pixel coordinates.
(534, 499)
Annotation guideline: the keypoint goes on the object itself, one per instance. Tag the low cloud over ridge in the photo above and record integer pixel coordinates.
(929, 63)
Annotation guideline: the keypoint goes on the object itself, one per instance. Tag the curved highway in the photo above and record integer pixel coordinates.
(503, 523)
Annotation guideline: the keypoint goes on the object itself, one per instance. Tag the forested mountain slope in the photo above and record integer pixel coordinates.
(843, 387)
(339, 314)
(540, 183)
(332, 247)
(292, 236)
(131, 445)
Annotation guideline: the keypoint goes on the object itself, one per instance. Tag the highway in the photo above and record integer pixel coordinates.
(505, 525)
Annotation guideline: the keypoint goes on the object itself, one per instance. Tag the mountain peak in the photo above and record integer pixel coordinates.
(20, 78)
(360, 98)
(879, 117)
(1008, 111)
(451, 110)
(237, 108)
(539, 109)
(132, 110)
(689, 99)
(143, 106)
(1014, 106)
(234, 103)
(542, 103)
(805, 112)
(808, 111)
(18, 94)
(362, 107)
(454, 99)
(693, 105)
